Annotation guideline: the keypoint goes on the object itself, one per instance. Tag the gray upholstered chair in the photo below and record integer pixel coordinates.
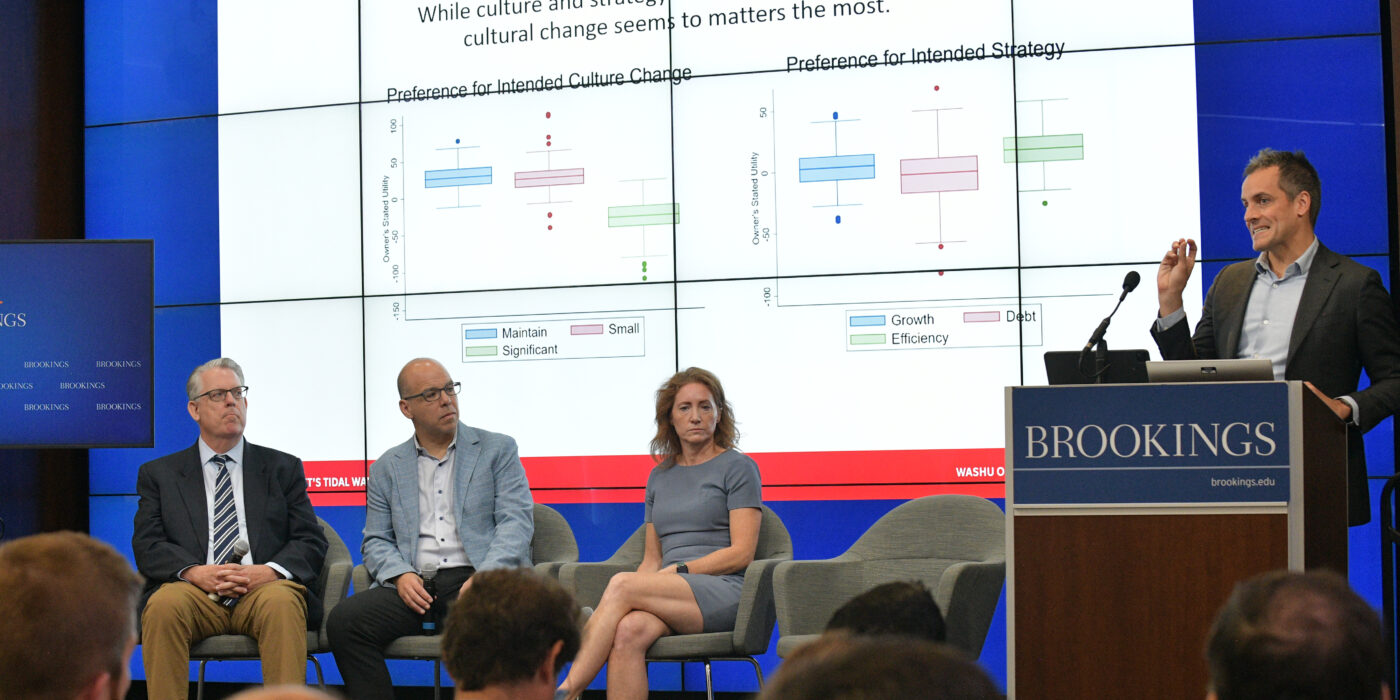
(752, 629)
(954, 544)
(332, 584)
(552, 546)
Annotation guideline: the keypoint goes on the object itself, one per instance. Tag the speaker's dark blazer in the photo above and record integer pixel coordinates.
(172, 519)
(1345, 322)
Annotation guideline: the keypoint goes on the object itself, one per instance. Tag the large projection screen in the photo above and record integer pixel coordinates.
(866, 217)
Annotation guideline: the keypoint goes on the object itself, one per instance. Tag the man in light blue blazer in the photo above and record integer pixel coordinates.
(452, 500)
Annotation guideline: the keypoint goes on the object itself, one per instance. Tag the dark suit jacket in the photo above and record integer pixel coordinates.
(172, 519)
(1345, 322)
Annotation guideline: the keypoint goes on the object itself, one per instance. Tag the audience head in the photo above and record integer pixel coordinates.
(283, 692)
(68, 603)
(1295, 635)
(899, 607)
(667, 443)
(840, 666)
(512, 629)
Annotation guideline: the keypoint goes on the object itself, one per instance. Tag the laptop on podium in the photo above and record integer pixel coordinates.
(1252, 370)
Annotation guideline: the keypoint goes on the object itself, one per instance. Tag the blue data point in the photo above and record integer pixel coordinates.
(838, 218)
(835, 115)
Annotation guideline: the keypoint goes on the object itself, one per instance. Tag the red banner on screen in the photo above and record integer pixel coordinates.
(787, 476)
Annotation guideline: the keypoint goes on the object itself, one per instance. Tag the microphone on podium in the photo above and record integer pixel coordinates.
(240, 550)
(1130, 282)
(1096, 343)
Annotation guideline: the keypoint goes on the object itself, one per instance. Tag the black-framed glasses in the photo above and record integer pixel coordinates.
(217, 395)
(431, 395)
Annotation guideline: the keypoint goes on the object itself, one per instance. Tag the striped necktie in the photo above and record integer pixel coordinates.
(225, 515)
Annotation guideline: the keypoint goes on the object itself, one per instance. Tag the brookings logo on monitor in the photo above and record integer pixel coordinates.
(11, 319)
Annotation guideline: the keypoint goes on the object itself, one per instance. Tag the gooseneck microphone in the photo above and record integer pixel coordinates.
(1130, 282)
(1096, 342)
(240, 550)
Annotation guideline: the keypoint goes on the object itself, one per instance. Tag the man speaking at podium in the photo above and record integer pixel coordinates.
(1318, 316)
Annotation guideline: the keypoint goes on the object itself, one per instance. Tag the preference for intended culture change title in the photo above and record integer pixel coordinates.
(1050, 51)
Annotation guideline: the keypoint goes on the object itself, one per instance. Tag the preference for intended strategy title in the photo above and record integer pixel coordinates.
(1049, 51)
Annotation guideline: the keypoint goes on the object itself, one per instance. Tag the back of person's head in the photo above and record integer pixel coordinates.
(1296, 636)
(68, 606)
(899, 607)
(506, 626)
(282, 692)
(842, 666)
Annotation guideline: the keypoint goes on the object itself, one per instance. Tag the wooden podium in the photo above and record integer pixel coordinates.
(1133, 509)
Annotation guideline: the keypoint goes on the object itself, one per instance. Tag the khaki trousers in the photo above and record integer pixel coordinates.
(179, 614)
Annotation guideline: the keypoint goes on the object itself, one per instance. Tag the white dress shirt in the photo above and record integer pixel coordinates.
(235, 475)
(438, 541)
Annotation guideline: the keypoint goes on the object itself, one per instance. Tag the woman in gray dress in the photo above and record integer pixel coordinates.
(702, 517)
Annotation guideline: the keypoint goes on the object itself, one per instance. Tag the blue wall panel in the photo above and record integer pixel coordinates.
(1268, 19)
(160, 181)
(1246, 101)
(148, 59)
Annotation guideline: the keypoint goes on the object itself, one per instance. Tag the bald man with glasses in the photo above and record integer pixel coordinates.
(452, 499)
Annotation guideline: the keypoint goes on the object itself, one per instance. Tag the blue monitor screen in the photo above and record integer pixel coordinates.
(76, 343)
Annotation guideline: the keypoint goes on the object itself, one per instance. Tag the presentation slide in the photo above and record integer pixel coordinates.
(867, 218)
(887, 209)
(76, 344)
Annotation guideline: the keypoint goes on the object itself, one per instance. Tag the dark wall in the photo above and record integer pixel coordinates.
(41, 178)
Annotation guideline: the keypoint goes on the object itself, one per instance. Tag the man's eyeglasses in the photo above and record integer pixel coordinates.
(431, 395)
(217, 395)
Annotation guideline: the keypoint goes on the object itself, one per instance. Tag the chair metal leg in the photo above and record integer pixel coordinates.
(437, 679)
(709, 682)
(758, 670)
(321, 679)
(199, 687)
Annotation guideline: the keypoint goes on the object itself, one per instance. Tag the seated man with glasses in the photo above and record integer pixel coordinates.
(452, 500)
(196, 506)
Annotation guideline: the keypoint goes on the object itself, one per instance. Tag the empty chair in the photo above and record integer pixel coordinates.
(553, 544)
(954, 544)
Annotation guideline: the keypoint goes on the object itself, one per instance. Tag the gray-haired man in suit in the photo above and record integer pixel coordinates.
(1317, 315)
(453, 497)
(194, 506)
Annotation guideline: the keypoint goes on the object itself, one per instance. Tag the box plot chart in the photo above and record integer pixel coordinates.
(836, 168)
(1042, 148)
(643, 216)
(938, 174)
(457, 177)
(550, 177)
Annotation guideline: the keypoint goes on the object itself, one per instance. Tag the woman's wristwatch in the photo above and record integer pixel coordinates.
(682, 568)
